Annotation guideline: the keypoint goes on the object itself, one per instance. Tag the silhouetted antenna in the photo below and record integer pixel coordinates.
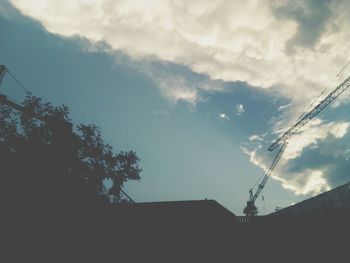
(263, 203)
(2, 72)
(10, 102)
(127, 196)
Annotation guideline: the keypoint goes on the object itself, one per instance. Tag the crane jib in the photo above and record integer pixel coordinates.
(311, 114)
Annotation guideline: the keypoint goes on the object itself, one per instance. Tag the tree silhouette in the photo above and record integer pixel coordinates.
(50, 161)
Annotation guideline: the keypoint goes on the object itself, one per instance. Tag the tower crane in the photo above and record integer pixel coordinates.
(250, 209)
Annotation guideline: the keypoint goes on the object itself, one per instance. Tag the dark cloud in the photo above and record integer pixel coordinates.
(311, 16)
(331, 156)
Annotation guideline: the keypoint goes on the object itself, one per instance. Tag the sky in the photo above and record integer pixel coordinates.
(199, 89)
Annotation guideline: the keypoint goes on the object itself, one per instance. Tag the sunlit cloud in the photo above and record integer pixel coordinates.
(224, 117)
(239, 109)
(314, 184)
(295, 47)
(284, 107)
(255, 137)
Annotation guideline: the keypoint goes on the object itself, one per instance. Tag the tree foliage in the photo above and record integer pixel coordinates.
(51, 160)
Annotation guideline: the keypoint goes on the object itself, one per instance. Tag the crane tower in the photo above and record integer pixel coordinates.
(251, 209)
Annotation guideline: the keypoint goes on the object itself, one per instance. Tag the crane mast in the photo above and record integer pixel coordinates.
(311, 114)
(251, 209)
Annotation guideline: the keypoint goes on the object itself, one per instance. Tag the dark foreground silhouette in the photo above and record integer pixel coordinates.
(193, 231)
(53, 208)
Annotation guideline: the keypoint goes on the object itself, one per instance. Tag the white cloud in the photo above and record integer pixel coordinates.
(255, 137)
(314, 183)
(177, 89)
(239, 109)
(256, 159)
(223, 116)
(252, 41)
(283, 107)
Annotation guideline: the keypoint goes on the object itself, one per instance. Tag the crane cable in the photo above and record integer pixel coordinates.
(14, 83)
(16, 80)
(327, 87)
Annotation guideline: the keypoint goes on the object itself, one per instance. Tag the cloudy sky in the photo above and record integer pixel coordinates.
(199, 89)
